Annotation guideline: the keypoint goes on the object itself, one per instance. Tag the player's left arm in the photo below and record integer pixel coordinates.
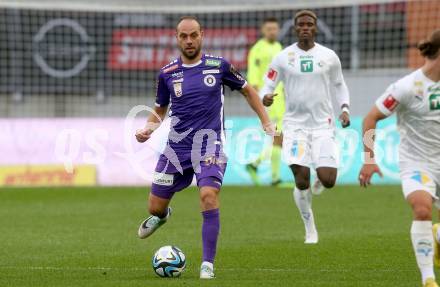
(340, 91)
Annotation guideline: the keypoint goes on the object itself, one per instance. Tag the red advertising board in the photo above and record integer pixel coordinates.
(151, 49)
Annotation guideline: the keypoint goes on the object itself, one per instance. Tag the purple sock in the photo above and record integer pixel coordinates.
(210, 229)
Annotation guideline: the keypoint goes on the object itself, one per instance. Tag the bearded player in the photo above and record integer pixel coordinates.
(416, 101)
(193, 86)
(311, 74)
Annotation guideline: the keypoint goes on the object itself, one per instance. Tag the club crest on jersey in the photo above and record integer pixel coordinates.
(418, 89)
(209, 80)
(177, 88)
(390, 103)
(272, 74)
(291, 59)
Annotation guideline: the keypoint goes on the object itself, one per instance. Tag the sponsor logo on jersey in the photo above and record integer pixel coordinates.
(213, 62)
(216, 71)
(177, 88)
(177, 74)
(272, 74)
(434, 102)
(306, 66)
(163, 179)
(169, 69)
(390, 103)
(209, 80)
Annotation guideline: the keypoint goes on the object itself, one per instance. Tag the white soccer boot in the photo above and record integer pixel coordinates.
(152, 223)
(207, 270)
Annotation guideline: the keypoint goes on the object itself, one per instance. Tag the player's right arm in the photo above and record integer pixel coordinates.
(384, 107)
(159, 113)
(273, 76)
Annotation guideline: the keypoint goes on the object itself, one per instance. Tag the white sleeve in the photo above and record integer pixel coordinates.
(393, 96)
(340, 90)
(273, 76)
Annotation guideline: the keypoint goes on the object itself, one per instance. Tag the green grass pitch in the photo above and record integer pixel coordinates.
(88, 237)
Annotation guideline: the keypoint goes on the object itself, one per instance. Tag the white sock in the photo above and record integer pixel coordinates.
(423, 244)
(303, 200)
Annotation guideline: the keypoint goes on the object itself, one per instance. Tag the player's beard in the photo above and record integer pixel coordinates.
(193, 55)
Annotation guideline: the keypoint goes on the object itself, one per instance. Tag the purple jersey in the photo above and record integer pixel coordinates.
(196, 95)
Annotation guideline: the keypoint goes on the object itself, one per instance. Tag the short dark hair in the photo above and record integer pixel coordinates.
(189, 17)
(270, 20)
(430, 48)
(309, 13)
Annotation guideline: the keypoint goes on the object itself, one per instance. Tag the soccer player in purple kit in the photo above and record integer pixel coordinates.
(193, 85)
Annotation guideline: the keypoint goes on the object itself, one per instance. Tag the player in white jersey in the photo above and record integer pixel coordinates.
(311, 74)
(416, 101)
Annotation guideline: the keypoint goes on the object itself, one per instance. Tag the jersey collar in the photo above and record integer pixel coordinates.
(191, 65)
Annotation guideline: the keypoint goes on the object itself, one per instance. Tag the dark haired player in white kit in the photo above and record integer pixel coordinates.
(416, 100)
(193, 84)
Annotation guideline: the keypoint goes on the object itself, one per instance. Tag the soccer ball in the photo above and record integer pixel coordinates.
(169, 261)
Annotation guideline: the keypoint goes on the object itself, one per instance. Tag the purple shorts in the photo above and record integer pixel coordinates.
(165, 184)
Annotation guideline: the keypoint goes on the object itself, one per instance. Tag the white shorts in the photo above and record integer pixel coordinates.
(418, 178)
(311, 148)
